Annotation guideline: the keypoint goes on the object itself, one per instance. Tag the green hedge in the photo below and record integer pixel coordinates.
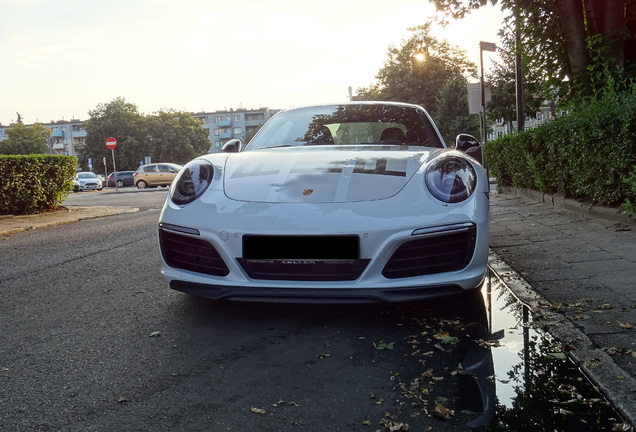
(587, 155)
(34, 183)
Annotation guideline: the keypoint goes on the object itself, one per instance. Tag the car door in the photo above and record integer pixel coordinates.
(151, 175)
(167, 173)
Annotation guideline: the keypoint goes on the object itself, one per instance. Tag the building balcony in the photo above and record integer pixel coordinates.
(57, 134)
(223, 123)
(225, 135)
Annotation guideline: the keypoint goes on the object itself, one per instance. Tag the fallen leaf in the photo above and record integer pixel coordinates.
(489, 343)
(323, 356)
(384, 346)
(282, 402)
(625, 326)
(443, 412)
(557, 355)
(258, 410)
(155, 334)
(626, 427)
(498, 334)
(394, 426)
(442, 335)
(451, 340)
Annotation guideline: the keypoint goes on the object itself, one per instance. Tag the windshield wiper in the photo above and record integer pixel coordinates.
(276, 146)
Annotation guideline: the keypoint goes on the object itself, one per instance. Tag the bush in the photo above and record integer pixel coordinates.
(586, 155)
(628, 205)
(34, 183)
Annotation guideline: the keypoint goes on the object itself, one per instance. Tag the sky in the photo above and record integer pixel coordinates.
(60, 59)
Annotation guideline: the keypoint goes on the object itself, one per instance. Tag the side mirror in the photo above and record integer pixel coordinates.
(232, 146)
(469, 145)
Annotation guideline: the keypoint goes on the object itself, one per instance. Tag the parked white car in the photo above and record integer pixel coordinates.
(356, 202)
(84, 181)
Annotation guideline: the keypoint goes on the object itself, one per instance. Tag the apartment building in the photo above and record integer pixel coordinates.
(500, 128)
(223, 126)
(67, 136)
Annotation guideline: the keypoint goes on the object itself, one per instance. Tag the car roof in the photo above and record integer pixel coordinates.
(357, 103)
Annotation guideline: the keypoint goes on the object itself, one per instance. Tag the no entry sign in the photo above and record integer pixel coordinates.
(111, 143)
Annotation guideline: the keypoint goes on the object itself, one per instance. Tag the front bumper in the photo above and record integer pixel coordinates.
(214, 266)
(315, 295)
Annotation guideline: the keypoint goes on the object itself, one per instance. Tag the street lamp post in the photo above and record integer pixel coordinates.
(484, 46)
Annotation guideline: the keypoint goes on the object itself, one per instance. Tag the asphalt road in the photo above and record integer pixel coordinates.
(93, 340)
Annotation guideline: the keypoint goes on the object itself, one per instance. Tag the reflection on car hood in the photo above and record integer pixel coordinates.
(322, 174)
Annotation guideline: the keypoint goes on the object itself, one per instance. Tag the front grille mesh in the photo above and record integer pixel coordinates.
(432, 254)
(304, 270)
(189, 253)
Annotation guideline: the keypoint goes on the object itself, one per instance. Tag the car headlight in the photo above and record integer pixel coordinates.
(191, 182)
(451, 179)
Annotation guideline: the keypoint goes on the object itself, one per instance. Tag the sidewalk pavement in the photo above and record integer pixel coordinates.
(574, 266)
(64, 214)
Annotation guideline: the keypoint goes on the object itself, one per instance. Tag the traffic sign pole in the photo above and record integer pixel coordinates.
(114, 170)
(111, 143)
(105, 171)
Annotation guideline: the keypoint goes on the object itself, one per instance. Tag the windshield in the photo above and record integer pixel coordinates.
(350, 124)
(86, 175)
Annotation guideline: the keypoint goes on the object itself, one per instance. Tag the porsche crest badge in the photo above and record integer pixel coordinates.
(307, 192)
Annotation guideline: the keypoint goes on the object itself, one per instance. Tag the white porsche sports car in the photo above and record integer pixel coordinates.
(350, 203)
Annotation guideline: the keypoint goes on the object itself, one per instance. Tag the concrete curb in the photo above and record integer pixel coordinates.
(560, 202)
(616, 385)
(66, 214)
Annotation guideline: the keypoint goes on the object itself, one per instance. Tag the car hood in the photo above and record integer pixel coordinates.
(322, 174)
(88, 180)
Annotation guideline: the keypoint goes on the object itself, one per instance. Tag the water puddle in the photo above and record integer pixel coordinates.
(537, 387)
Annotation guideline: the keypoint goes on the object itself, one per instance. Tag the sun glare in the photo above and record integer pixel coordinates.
(420, 57)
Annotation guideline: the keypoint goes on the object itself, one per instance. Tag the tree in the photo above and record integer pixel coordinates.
(416, 71)
(502, 78)
(250, 132)
(23, 140)
(165, 136)
(451, 110)
(174, 136)
(120, 120)
(558, 33)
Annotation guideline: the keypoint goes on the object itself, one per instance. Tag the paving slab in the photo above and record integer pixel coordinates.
(574, 265)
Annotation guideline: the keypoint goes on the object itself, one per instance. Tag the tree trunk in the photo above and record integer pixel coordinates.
(594, 16)
(630, 23)
(573, 29)
(614, 32)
